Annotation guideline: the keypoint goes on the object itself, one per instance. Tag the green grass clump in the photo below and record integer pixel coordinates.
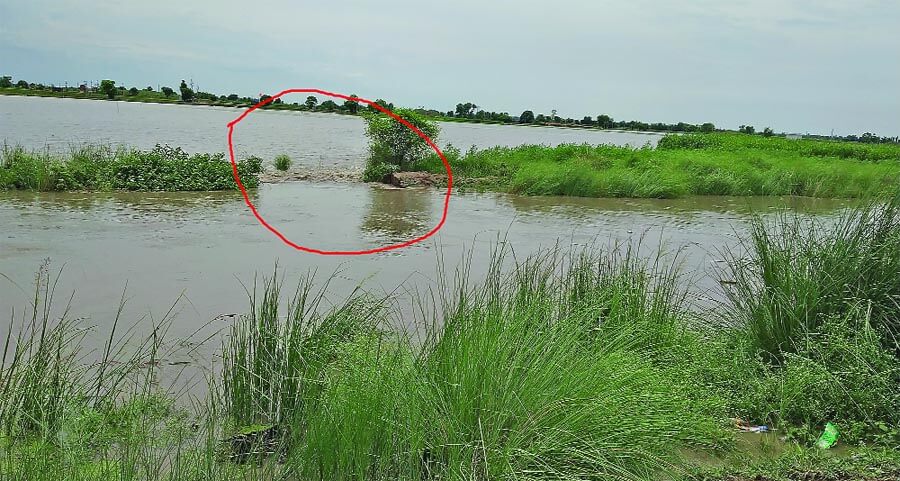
(282, 162)
(682, 165)
(274, 365)
(102, 168)
(816, 309)
(529, 378)
(806, 271)
(526, 375)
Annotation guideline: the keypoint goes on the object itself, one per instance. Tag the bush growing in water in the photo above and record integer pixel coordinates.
(282, 162)
(392, 145)
(163, 168)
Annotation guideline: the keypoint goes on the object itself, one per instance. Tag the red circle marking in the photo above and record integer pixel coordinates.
(355, 99)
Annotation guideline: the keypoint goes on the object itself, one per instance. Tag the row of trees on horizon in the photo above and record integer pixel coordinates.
(467, 111)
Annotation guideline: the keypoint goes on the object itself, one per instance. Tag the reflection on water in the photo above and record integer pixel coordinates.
(399, 214)
(145, 202)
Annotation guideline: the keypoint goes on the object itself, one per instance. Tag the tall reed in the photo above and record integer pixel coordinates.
(802, 271)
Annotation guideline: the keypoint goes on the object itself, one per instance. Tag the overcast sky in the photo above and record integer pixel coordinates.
(797, 66)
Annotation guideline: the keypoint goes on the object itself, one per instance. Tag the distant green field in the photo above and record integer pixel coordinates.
(681, 165)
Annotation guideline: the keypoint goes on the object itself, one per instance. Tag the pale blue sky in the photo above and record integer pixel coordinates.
(797, 66)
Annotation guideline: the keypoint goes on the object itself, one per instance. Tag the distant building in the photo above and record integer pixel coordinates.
(793, 136)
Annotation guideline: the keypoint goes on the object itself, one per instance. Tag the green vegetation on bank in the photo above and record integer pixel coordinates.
(564, 365)
(681, 165)
(103, 168)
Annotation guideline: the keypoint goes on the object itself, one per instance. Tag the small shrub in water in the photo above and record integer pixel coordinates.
(282, 162)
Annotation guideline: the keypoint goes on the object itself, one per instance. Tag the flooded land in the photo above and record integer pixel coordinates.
(628, 329)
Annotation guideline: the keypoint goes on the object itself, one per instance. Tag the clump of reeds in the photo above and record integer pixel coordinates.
(803, 271)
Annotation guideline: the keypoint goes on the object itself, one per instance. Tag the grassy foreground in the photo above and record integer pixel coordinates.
(681, 165)
(103, 168)
(581, 365)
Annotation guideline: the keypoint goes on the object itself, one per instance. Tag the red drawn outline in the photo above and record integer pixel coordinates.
(356, 99)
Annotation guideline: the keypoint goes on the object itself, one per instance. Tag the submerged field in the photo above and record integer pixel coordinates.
(681, 165)
(565, 365)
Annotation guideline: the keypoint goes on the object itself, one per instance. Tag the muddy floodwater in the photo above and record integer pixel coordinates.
(310, 139)
(206, 247)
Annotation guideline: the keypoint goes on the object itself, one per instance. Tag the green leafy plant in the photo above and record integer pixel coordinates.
(162, 168)
(393, 143)
(282, 162)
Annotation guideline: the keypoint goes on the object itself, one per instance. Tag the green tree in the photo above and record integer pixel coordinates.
(747, 129)
(167, 91)
(767, 132)
(311, 102)
(133, 91)
(187, 94)
(707, 127)
(351, 106)
(587, 120)
(109, 88)
(149, 89)
(466, 110)
(605, 121)
(383, 103)
(6, 82)
(329, 106)
(392, 143)
(233, 97)
(22, 84)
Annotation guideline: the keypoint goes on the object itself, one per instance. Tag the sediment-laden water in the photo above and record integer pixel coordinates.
(205, 245)
(310, 139)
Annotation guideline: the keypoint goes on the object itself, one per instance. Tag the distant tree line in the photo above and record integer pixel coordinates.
(471, 111)
(468, 111)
